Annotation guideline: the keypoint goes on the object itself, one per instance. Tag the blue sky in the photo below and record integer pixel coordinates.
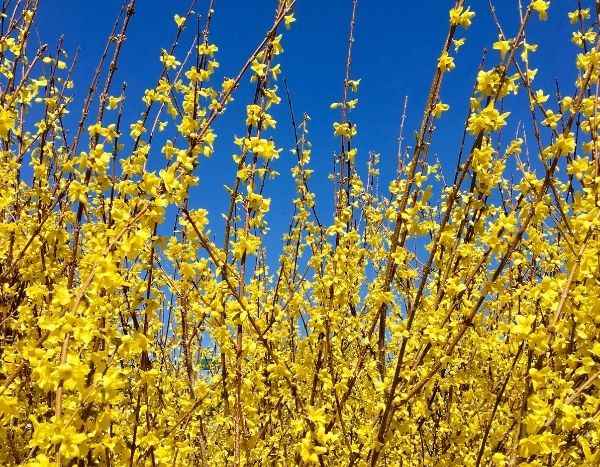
(397, 44)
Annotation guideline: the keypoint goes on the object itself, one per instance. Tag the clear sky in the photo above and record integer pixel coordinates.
(397, 45)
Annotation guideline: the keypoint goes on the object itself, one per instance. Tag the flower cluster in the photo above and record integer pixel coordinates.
(443, 321)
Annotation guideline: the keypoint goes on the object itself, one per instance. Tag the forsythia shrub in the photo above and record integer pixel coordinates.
(438, 324)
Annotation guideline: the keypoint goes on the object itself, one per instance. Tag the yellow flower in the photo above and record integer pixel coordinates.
(246, 244)
(309, 452)
(459, 16)
(539, 98)
(41, 460)
(541, 8)
(551, 119)
(288, 20)
(61, 295)
(136, 129)
(259, 68)
(515, 146)
(574, 16)
(503, 46)
(179, 20)
(7, 121)
(344, 129)
(169, 61)
(439, 108)
(207, 49)
(353, 84)
(488, 120)
(458, 43)
(564, 144)
(113, 102)
(446, 62)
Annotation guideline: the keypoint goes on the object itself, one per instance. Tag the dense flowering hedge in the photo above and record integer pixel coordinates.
(127, 340)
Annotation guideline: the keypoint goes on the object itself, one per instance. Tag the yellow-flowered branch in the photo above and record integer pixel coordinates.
(433, 324)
